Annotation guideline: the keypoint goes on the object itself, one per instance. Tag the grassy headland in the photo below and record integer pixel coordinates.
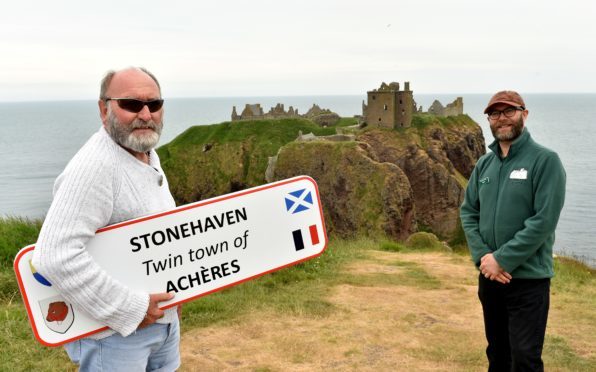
(362, 304)
(211, 160)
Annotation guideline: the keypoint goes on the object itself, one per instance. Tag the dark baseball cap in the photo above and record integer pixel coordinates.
(506, 96)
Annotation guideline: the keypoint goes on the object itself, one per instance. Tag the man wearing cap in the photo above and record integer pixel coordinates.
(115, 176)
(510, 211)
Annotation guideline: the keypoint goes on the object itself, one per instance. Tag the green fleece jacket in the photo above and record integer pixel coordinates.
(512, 206)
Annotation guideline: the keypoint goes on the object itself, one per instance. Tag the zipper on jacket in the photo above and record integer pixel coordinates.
(497, 203)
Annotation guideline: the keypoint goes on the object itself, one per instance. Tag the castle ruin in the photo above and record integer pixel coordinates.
(389, 107)
(255, 112)
(322, 117)
(452, 109)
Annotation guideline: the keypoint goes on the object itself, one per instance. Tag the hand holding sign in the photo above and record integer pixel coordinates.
(192, 251)
(154, 312)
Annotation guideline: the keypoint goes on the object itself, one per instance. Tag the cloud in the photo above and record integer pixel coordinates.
(59, 50)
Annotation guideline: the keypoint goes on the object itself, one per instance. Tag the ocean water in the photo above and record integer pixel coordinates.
(37, 139)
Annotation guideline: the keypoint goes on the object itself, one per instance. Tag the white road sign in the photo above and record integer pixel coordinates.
(192, 251)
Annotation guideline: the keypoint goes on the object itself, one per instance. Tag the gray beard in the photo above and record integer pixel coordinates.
(123, 134)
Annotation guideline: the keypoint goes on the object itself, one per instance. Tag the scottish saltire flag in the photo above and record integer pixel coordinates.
(298, 201)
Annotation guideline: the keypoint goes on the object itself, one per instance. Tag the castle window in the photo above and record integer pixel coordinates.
(373, 97)
(385, 107)
(379, 119)
(403, 112)
(400, 102)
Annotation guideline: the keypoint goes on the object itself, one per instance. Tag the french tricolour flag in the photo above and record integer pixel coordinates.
(299, 240)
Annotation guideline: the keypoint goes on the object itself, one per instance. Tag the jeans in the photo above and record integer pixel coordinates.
(515, 316)
(153, 348)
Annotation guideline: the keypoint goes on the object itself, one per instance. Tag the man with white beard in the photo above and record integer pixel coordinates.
(115, 176)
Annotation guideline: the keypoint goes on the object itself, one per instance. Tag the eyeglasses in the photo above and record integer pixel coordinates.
(135, 105)
(508, 112)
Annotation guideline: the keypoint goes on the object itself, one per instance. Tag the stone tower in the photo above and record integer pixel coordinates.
(389, 107)
(235, 114)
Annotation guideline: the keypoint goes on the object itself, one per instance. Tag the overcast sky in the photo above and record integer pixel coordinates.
(53, 50)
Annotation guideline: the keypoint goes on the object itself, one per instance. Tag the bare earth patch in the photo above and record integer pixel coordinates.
(385, 326)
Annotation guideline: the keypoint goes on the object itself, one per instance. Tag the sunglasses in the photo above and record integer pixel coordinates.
(135, 105)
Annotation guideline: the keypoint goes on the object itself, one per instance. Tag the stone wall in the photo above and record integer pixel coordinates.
(322, 117)
(389, 107)
(255, 112)
(452, 109)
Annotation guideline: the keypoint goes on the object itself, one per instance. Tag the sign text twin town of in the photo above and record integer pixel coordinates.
(191, 251)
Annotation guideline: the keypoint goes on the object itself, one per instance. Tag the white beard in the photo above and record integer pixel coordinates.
(125, 136)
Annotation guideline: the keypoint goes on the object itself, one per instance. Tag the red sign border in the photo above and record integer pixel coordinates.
(173, 211)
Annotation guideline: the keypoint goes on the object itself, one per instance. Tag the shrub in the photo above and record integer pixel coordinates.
(425, 241)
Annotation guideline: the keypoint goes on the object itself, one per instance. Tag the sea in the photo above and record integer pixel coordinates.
(37, 139)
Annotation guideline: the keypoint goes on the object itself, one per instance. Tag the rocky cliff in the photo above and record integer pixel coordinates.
(372, 182)
(210, 160)
(437, 156)
(360, 196)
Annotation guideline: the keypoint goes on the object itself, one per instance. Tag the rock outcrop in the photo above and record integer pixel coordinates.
(437, 162)
(360, 196)
(374, 181)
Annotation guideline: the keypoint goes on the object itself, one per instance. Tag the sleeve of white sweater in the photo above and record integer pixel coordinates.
(83, 200)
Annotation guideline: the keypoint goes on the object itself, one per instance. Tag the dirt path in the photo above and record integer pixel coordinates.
(421, 314)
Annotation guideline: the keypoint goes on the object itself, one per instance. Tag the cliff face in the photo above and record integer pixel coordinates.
(211, 160)
(360, 196)
(437, 159)
(385, 181)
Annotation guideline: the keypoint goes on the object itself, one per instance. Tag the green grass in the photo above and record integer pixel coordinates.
(300, 290)
(391, 246)
(573, 276)
(210, 160)
(271, 133)
(346, 122)
(20, 351)
(16, 233)
(559, 355)
(422, 121)
(412, 276)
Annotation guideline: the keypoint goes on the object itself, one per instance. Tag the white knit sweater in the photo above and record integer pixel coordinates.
(103, 184)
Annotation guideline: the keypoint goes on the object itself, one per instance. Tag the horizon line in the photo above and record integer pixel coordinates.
(282, 95)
